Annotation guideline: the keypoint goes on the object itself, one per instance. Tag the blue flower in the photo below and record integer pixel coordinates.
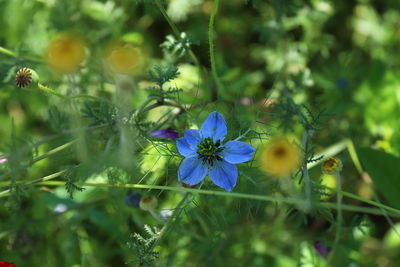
(132, 199)
(205, 154)
(342, 83)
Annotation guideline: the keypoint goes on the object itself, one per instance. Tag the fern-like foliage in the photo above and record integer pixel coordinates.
(70, 185)
(144, 247)
(99, 112)
(179, 46)
(59, 120)
(162, 74)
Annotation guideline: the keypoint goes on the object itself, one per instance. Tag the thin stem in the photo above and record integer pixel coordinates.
(368, 201)
(53, 92)
(243, 135)
(305, 172)
(7, 52)
(39, 158)
(212, 52)
(177, 211)
(354, 156)
(10, 53)
(162, 103)
(37, 181)
(293, 201)
(175, 30)
(339, 218)
(49, 90)
(329, 152)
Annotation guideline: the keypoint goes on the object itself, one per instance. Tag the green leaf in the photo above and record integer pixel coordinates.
(384, 171)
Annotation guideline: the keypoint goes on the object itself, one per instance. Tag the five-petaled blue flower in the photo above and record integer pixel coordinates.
(205, 154)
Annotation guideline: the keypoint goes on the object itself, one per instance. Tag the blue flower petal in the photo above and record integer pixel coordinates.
(187, 145)
(224, 175)
(193, 138)
(184, 148)
(192, 171)
(214, 126)
(237, 152)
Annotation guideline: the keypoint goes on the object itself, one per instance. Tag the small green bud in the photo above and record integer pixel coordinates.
(148, 203)
(25, 77)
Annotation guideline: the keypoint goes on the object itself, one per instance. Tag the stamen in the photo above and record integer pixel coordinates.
(209, 151)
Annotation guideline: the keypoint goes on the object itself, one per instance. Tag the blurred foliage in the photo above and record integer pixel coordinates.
(329, 67)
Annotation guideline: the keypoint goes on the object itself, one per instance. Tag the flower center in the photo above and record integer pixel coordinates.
(209, 151)
(280, 152)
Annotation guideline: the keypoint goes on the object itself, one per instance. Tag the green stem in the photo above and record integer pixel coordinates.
(212, 52)
(354, 156)
(7, 52)
(368, 201)
(39, 158)
(339, 218)
(329, 152)
(305, 172)
(51, 91)
(175, 30)
(243, 135)
(37, 181)
(177, 211)
(293, 201)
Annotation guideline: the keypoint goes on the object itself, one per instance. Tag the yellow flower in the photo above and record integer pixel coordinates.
(65, 53)
(331, 165)
(122, 58)
(279, 158)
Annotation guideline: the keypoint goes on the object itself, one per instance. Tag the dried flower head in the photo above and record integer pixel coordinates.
(280, 158)
(332, 165)
(65, 53)
(24, 77)
(122, 58)
(148, 203)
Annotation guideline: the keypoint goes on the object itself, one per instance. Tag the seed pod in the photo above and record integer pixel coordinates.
(148, 203)
(332, 166)
(25, 77)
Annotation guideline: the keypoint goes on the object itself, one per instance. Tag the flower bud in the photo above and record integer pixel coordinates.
(331, 166)
(165, 134)
(26, 77)
(148, 203)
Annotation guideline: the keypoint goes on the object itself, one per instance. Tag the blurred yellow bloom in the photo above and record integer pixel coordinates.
(123, 58)
(331, 165)
(279, 158)
(65, 53)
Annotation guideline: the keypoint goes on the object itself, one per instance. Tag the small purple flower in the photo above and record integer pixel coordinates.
(132, 199)
(165, 133)
(205, 154)
(321, 249)
(3, 160)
